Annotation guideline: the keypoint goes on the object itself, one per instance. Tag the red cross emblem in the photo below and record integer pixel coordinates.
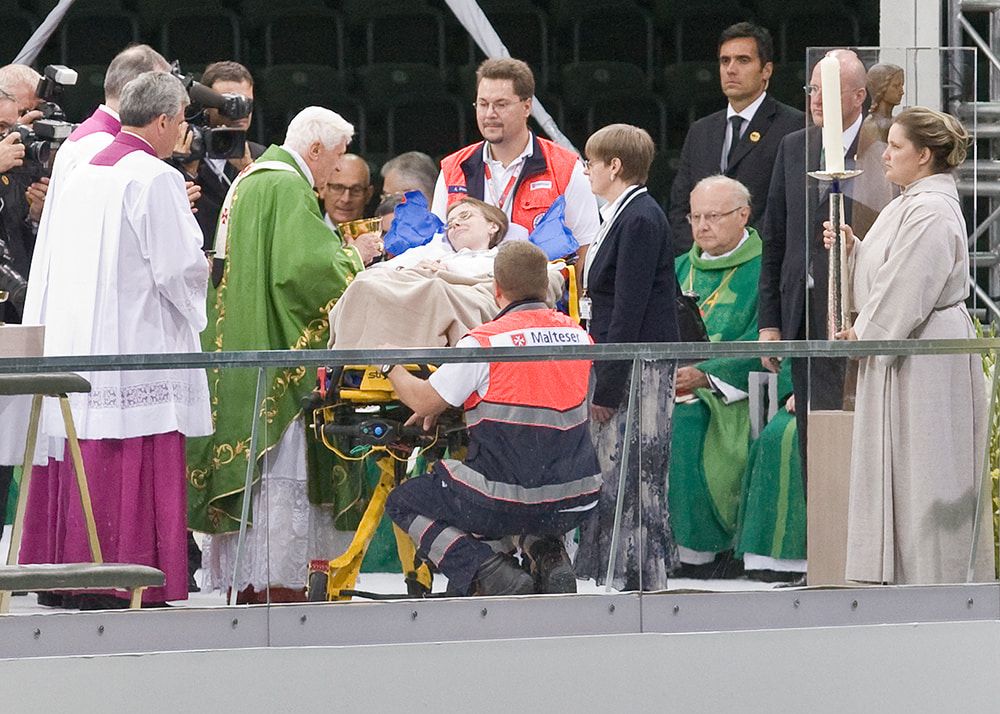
(225, 215)
(519, 340)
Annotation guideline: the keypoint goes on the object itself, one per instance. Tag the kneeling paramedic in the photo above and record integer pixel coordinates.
(531, 471)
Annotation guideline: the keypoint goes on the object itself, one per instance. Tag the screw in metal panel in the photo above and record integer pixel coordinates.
(413, 615)
(235, 623)
(37, 633)
(970, 602)
(100, 629)
(677, 608)
(483, 612)
(302, 620)
(854, 604)
(611, 608)
(795, 603)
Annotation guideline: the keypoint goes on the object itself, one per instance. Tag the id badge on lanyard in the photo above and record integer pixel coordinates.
(501, 200)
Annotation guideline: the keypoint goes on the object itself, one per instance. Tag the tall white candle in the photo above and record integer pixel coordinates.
(833, 125)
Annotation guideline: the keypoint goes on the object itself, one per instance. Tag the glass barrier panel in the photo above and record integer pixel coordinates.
(692, 511)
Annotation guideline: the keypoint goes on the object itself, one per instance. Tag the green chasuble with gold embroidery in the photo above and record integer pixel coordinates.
(711, 437)
(284, 269)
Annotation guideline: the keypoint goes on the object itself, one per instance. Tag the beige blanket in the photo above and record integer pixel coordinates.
(415, 307)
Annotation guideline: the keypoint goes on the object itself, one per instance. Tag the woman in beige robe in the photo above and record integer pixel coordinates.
(920, 421)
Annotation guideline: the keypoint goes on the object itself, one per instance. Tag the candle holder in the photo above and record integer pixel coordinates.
(838, 307)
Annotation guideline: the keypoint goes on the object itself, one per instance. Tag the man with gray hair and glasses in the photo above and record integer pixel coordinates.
(410, 171)
(284, 269)
(126, 275)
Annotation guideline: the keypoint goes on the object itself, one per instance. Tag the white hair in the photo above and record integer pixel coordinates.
(740, 192)
(314, 124)
(13, 76)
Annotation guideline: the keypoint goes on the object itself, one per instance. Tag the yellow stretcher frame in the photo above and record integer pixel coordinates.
(342, 572)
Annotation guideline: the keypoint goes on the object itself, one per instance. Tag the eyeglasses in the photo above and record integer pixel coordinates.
(587, 163)
(810, 89)
(339, 189)
(500, 106)
(710, 218)
(461, 217)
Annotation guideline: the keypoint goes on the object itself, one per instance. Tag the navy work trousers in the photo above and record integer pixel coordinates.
(441, 523)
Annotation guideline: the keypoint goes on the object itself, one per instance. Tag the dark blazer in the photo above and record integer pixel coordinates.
(790, 247)
(751, 164)
(213, 194)
(632, 286)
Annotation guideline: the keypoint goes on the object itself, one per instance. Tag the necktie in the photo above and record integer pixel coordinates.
(736, 121)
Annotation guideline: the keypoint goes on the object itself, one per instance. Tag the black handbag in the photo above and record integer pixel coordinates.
(690, 325)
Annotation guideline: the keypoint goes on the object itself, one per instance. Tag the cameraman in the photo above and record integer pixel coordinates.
(11, 278)
(214, 176)
(16, 234)
(21, 82)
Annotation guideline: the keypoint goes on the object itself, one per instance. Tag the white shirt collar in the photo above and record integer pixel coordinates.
(217, 165)
(109, 111)
(706, 256)
(851, 133)
(608, 210)
(301, 162)
(528, 151)
(748, 111)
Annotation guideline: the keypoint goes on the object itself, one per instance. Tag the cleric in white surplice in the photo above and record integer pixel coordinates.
(126, 275)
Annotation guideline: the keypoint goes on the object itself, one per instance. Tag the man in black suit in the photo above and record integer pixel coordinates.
(745, 66)
(794, 264)
(214, 176)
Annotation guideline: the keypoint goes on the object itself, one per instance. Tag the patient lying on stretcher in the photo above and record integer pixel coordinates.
(474, 231)
(431, 295)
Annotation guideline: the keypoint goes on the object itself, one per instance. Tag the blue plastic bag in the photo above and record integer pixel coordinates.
(551, 233)
(413, 225)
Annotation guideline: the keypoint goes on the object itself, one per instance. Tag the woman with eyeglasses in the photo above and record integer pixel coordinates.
(472, 234)
(629, 296)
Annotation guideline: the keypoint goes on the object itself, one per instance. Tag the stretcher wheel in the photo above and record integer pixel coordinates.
(317, 586)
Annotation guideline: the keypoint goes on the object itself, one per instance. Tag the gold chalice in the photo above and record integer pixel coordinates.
(352, 229)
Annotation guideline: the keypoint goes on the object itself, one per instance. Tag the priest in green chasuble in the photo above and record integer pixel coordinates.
(284, 268)
(711, 418)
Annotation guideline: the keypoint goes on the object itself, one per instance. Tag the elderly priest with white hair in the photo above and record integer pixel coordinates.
(284, 270)
(126, 275)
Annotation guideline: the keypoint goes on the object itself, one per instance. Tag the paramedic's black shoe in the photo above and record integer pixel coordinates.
(499, 575)
(553, 572)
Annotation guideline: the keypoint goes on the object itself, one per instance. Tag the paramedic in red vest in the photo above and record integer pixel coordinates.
(520, 173)
(531, 471)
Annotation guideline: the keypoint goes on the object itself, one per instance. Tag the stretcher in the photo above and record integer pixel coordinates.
(357, 404)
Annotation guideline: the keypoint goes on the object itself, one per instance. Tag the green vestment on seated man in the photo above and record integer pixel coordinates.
(711, 436)
(772, 520)
(284, 269)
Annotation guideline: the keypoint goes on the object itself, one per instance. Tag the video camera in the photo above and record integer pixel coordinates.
(213, 142)
(11, 281)
(45, 135)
